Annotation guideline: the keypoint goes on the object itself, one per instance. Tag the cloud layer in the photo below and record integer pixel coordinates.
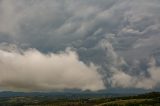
(118, 36)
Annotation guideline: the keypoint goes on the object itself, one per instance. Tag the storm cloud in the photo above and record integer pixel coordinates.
(111, 42)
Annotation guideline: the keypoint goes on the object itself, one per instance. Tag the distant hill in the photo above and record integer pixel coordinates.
(149, 95)
(60, 94)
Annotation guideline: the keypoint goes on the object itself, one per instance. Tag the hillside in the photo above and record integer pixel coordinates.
(148, 99)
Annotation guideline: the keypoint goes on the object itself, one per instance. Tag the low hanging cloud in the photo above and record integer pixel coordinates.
(124, 80)
(31, 70)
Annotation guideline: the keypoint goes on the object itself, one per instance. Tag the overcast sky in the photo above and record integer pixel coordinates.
(53, 45)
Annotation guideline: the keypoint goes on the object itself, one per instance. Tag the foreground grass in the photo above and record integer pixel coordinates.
(135, 102)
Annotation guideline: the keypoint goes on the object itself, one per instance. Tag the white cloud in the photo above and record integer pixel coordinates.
(121, 79)
(32, 70)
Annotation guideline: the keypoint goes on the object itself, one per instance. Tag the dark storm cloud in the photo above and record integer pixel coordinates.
(117, 35)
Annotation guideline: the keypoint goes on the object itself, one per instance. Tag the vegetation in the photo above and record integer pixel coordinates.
(150, 99)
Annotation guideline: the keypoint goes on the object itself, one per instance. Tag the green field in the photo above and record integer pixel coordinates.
(149, 99)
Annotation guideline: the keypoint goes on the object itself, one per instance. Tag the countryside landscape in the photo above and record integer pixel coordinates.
(79, 52)
(76, 99)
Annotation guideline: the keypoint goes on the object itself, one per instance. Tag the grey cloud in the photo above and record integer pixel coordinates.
(54, 21)
(124, 80)
(110, 33)
(49, 20)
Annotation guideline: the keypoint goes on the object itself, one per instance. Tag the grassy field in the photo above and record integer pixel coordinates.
(150, 99)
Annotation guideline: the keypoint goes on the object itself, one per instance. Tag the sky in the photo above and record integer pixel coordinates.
(55, 45)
